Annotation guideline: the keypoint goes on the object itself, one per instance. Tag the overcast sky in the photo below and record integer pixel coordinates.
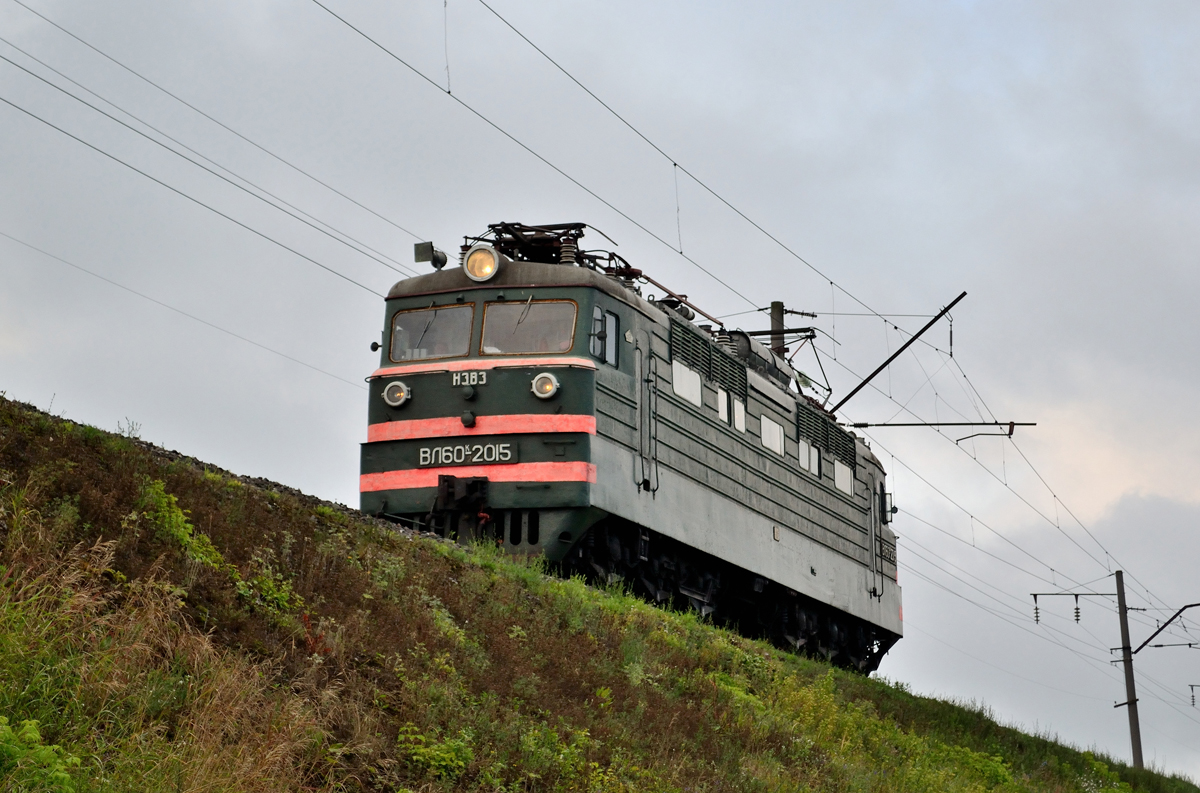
(1041, 156)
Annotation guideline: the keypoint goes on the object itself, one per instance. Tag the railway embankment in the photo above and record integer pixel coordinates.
(166, 625)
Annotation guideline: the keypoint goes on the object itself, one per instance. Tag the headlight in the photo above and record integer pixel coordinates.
(396, 394)
(482, 263)
(545, 385)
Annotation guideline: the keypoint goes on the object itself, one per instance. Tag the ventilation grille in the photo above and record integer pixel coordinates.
(820, 430)
(713, 363)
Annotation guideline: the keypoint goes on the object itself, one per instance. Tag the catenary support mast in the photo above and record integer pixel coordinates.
(1135, 729)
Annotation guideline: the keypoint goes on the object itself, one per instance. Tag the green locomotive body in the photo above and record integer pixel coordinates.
(550, 408)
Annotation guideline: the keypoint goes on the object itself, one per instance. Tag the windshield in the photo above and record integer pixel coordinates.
(432, 333)
(531, 326)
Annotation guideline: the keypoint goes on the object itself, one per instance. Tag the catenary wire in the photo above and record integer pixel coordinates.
(196, 201)
(908, 625)
(675, 164)
(219, 123)
(978, 548)
(908, 540)
(1134, 618)
(1015, 614)
(1096, 663)
(180, 311)
(333, 233)
(1020, 497)
(912, 571)
(1105, 670)
(529, 149)
(1150, 595)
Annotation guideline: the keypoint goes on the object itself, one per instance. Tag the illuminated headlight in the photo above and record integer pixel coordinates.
(396, 394)
(482, 262)
(545, 385)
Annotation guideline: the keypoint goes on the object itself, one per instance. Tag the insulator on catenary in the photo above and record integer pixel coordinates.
(567, 252)
(1077, 608)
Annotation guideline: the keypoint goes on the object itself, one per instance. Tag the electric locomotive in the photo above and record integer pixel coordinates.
(532, 397)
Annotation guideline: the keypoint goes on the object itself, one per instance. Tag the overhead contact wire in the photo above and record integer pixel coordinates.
(529, 150)
(355, 245)
(216, 121)
(1150, 595)
(181, 312)
(675, 162)
(196, 201)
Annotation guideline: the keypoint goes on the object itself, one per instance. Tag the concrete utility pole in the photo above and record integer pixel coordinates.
(1135, 729)
(777, 327)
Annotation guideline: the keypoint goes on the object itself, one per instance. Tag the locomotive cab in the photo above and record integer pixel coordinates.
(482, 411)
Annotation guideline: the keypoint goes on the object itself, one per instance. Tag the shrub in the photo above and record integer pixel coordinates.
(171, 524)
(26, 763)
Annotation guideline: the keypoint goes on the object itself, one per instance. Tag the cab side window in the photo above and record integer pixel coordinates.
(606, 335)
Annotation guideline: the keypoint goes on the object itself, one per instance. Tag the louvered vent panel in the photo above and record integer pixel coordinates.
(692, 350)
(729, 372)
(713, 363)
(820, 430)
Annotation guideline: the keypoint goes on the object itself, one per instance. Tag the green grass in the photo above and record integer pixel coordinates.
(169, 626)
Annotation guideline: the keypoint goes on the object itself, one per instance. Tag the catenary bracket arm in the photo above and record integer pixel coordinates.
(896, 354)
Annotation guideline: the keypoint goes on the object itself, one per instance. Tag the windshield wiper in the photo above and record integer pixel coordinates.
(525, 313)
(421, 338)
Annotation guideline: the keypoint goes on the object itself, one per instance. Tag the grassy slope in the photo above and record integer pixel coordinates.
(171, 627)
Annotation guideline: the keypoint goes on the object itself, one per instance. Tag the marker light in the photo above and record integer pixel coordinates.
(396, 393)
(545, 385)
(482, 263)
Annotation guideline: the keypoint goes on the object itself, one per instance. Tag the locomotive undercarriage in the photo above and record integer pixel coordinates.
(666, 572)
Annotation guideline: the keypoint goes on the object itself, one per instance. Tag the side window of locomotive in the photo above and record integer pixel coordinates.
(685, 382)
(612, 340)
(772, 434)
(443, 332)
(527, 327)
(605, 335)
(722, 404)
(739, 415)
(843, 477)
(597, 334)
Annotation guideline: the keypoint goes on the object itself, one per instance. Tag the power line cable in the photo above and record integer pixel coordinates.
(333, 233)
(1004, 615)
(196, 201)
(181, 312)
(908, 540)
(1150, 595)
(978, 548)
(675, 163)
(909, 569)
(219, 123)
(908, 625)
(528, 149)
(1020, 497)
